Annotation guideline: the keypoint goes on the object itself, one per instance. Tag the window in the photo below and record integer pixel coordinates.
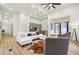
(57, 28)
(64, 28)
(61, 28)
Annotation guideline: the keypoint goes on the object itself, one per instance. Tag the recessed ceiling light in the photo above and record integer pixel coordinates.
(22, 15)
(33, 6)
(10, 8)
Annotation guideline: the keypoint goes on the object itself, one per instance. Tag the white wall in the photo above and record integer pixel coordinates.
(15, 24)
(21, 23)
(25, 21)
(34, 21)
(72, 11)
(44, 24)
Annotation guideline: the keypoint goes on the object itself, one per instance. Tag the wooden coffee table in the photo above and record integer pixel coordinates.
(37, 46)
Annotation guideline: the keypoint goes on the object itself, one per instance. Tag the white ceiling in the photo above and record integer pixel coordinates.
(28, 9)
(35, 10)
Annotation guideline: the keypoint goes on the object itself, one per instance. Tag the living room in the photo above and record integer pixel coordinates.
(32, 28)
(17, 25)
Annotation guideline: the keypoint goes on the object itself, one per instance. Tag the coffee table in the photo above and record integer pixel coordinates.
(37, 46)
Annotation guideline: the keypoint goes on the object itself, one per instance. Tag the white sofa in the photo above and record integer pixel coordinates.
(23, 38)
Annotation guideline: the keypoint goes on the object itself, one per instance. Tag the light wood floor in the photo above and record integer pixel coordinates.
(7, 43)
(73, 48)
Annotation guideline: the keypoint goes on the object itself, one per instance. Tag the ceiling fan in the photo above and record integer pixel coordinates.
(49, 5)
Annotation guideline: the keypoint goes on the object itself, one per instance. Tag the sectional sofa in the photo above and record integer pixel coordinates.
(26, 38)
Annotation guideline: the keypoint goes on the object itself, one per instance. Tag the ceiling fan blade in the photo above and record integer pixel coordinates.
(49, 7)
(45, 4)
(56, 3)
(53, 6)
